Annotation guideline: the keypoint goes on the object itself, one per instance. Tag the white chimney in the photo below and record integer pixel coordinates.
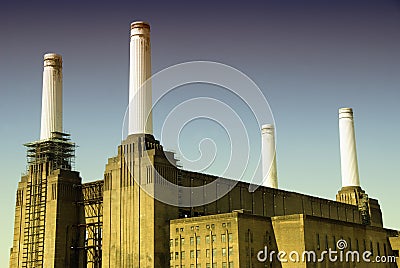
(140, 102)
(268, 154)
(51, 120)
(348, 153)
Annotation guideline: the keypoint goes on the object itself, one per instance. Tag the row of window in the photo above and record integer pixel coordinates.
(208, 226)
(182, 254)
(208, 265)
(350, 246)
(213, 238)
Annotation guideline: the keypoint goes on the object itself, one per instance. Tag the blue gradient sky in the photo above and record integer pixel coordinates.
(309, 58)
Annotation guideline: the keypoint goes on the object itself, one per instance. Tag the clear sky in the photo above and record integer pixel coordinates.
(308, 57)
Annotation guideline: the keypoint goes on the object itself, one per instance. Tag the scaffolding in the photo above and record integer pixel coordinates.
(43, 158)
(93, 227)
(58, 151)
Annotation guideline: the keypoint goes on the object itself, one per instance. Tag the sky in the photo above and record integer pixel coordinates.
(309, 58)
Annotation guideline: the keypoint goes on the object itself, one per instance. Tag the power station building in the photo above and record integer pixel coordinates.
(116, 222)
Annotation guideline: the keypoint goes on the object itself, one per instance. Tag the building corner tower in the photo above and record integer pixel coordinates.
(351, 191)
(135, 224)
(46, 212)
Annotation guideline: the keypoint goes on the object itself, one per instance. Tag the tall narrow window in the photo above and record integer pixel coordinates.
(378, 249)
(326, 242)
(334, 242)
(372, 247)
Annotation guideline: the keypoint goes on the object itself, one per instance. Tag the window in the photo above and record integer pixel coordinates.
(183, 255)
(191, 241)
(176, 255)
(326, 242)
(230, 252)
(372, 248)
(224, 265)
(223, 238)
(182, 241)
(197, 228)
(176, 242)
(207, 239)
(231, 264)
(198, 265)
(208, 265)
(171, 242)
(214, 238)
(177, 230)
(212, 226)
(223, 224)
(379, 250)
(223, 252)
(228, 224)
(192, 254)
(181, 229)
(207, 253)
(214, 265)
(192, 266)
(214, 252)
(171, 256)
(334, 242)
(198, 253)
(230, 237)
(198, 240)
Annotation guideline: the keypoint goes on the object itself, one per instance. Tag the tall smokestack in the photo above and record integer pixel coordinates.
(140, 118)
(268, 154)
(348, 153)
(51, 120)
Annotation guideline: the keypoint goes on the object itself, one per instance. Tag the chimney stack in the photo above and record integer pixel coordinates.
(140, 100)
(268, 154)
(51, 120)
(348, 153)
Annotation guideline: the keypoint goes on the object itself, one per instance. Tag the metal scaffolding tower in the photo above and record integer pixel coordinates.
(93, 227)
(43, 157)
